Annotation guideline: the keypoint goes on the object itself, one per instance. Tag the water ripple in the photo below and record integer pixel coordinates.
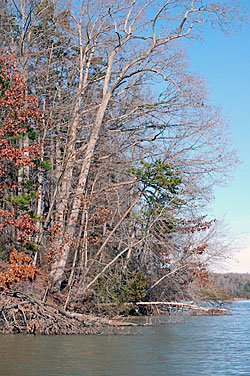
(196, 346)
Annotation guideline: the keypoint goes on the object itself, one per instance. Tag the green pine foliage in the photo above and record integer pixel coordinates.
(160, 185)
(31, 246)
(23, 201)
(159, 182)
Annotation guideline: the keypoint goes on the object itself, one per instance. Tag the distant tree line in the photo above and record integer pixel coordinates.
(237, 285)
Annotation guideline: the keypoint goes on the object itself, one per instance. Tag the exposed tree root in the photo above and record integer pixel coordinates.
(28, 315)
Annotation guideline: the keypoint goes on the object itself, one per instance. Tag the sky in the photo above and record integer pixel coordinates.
(224, 63)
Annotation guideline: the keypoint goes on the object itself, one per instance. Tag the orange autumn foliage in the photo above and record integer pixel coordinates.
(18, 113)
(19, 118)
(20, 268)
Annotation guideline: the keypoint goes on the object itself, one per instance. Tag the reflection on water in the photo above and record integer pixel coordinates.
(213, 345)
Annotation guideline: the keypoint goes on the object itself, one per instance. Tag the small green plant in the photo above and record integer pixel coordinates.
(135, 289)
(116, 293)
(23, 201)
(46, 165)
(4, 255)
(31, 246)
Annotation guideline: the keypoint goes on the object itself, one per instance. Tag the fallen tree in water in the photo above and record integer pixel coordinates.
(206, 310)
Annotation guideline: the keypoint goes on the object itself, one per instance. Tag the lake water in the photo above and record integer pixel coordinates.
(194, 346)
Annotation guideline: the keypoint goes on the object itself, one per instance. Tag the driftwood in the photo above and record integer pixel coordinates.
(208, 310)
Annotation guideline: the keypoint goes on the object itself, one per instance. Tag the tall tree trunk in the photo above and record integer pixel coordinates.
(59, 266)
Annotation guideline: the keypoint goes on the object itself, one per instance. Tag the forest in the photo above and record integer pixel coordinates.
(236, 285)
(110, 148)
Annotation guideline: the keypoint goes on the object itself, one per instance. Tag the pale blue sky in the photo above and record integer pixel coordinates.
(225, 64)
